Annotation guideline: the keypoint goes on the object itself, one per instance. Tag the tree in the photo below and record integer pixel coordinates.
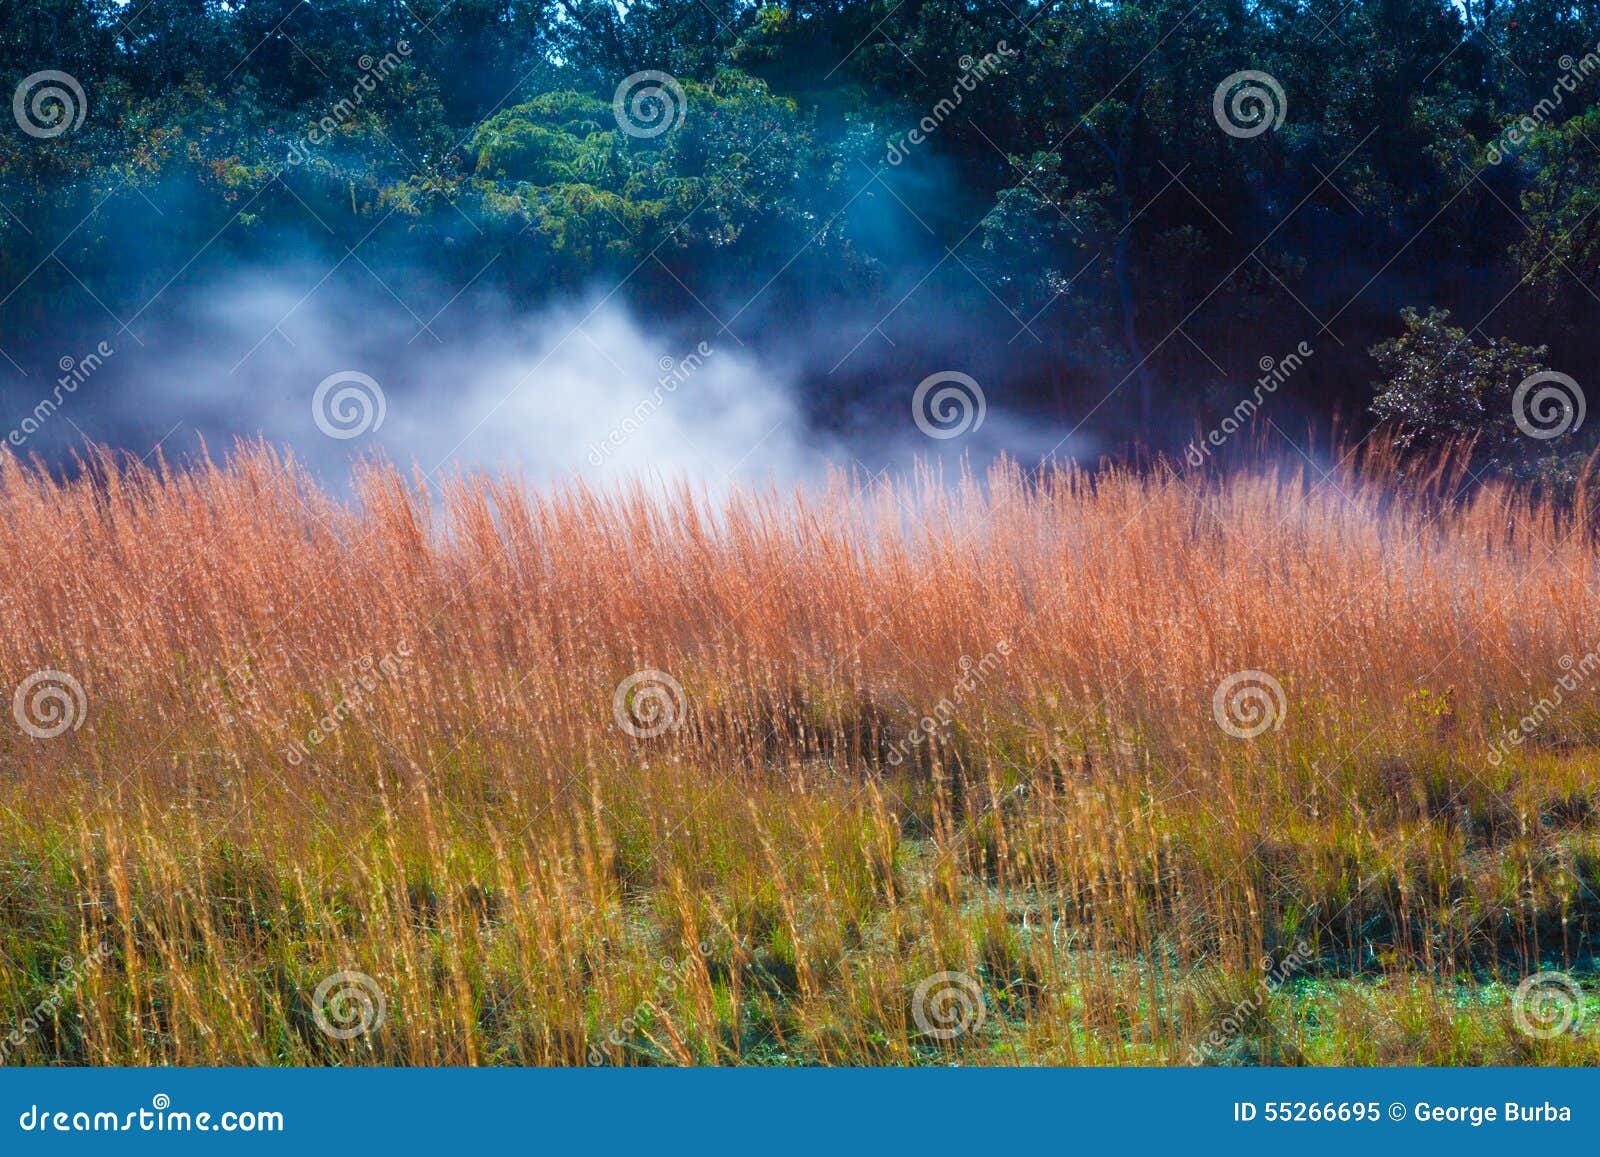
(1441, 386)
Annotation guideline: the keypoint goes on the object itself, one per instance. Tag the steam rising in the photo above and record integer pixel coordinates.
(341, 366)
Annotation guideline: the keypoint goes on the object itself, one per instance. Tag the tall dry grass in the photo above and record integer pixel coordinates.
(771, 878)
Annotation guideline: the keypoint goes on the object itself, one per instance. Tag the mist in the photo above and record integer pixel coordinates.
(338, 367)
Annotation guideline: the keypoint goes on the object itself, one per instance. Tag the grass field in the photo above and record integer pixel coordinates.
(1031, 768)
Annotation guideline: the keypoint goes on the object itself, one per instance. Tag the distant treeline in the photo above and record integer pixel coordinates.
(1127, 210)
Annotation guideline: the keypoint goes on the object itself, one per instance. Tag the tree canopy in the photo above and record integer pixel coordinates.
(1123, 208)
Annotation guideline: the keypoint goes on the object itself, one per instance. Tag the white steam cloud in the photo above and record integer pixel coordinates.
(340, 367)
(581, 389)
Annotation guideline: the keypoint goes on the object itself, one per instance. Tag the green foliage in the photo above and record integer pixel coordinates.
(1441, 386)
(1082, 184)
(560, 169)
(1562, 245)
(557, 138)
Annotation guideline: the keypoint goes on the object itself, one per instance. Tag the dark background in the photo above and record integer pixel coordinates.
(1079, 234)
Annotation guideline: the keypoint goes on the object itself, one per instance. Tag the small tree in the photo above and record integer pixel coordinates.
(1439, 385)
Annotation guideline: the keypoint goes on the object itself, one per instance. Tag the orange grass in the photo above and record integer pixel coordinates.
(771, 878)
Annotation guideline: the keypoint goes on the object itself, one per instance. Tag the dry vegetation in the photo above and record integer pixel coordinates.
(769, 880)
